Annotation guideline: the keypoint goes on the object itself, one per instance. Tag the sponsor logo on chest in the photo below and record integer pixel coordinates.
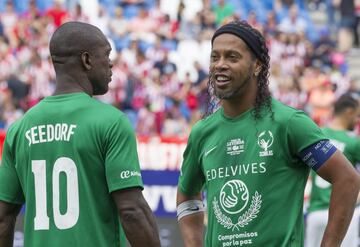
(235, 146)
(265, 141)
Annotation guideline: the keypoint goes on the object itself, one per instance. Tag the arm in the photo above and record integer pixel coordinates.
(136, 218)
(8, 213)
(191, 226)
(345, 188)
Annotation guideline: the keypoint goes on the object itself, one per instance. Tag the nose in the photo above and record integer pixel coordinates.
(220, 64)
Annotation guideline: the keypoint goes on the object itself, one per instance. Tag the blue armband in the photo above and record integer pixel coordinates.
(317, 154)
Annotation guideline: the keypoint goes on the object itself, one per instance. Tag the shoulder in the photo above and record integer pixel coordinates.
(106, 113)
(284, 112)
(13, 128)
(110, 116)
(206, 124)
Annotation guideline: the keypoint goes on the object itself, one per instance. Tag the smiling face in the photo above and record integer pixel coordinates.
(232, 67)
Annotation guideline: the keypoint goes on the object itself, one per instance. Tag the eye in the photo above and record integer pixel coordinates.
(233, 55)
(213, 57)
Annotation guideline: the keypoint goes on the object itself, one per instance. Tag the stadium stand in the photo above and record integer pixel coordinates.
(143, 31)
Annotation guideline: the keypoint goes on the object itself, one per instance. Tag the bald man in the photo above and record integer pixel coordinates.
(73, 160)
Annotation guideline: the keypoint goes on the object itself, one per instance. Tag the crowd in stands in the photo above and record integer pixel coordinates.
(161, 56)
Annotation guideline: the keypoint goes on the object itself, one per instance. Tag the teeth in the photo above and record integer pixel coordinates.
(222, 78)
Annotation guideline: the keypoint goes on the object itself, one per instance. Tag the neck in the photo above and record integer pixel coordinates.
(243, 102)
(68, 84)
(338, 124)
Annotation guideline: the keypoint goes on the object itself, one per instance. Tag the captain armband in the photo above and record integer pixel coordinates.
(189, 207)
(317, 154)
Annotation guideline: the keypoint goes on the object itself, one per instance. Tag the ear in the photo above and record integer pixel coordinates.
(258, 67)
(86, 60)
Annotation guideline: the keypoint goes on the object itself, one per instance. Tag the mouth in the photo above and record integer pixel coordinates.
(222, 80)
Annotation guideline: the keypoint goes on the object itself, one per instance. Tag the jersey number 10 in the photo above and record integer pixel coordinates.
(71, 216)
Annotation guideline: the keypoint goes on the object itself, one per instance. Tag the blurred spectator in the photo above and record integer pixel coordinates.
(347, 24)
(32, 12)
(143, 27)
(202, 75)
(167, 28)
(1, 30)
(57, 14)
(270, 27)
(253, 21)
(102, 20)
(357, 22)
(321, 99)
(175, 123)
(19, 91)
(8, 18)
(129, 53)
(156, 52)
(9, 111)
(39, 75)
(207, 16)
(78, 15)
(118, 24)
(290, 93)
(323, 48)
(146, 124)
(165, 66)
(142, 66)
(293, 23)
(156, 13)
(223, 10)
(332, 18)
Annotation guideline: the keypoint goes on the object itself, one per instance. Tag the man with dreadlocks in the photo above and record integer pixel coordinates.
(252, 156)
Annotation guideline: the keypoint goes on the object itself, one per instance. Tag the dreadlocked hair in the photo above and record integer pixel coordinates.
(263, 97)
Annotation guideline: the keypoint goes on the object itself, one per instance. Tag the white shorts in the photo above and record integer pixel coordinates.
(316, 224)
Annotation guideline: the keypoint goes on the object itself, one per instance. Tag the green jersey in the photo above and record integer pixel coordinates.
(349, 144)
(252, 174)
(63, 159)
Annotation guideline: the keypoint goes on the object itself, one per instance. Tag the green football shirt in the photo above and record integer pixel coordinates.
(349, 144)
(63, 159)
(252, 175)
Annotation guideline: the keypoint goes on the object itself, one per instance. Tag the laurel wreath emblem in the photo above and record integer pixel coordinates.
(243, 219)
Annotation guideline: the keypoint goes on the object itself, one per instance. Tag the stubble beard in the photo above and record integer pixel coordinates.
(238, 91)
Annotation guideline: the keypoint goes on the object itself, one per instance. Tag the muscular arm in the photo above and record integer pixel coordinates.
(136, 218)
(191, 226)
(8, 213)
(345, 188)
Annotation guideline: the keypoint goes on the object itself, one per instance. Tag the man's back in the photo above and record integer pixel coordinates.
(65, 155)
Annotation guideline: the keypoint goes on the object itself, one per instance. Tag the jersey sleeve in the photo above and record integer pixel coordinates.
(10, 187)
(301, 133)
(121, 161)
(191, 178)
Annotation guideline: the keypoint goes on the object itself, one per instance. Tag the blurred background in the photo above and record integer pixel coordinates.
(161, 54)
